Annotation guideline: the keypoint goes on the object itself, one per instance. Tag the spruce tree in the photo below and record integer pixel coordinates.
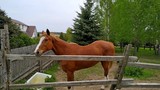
(86, 27)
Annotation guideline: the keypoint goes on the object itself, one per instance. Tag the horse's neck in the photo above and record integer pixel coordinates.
(60, 46)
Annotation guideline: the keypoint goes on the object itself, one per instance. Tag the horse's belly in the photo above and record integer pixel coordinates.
(84, 64)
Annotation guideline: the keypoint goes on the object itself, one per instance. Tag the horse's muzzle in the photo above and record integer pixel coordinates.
(38, 53)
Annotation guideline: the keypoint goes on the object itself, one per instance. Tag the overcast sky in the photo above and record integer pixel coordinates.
(56, 15)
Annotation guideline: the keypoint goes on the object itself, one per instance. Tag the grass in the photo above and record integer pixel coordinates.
(52, 71)
(147, 56)
(144, 55)
(138, 73)
(89, 73)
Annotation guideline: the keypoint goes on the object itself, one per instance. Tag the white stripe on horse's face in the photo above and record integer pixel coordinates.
(40, 42)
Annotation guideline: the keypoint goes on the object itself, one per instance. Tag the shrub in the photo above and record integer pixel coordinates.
(139, 73)
(133, 71)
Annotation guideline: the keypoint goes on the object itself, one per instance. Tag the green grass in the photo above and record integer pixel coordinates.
(52, 71)
(144, 55)
(148, 56)
(138, 73)
(89, 73)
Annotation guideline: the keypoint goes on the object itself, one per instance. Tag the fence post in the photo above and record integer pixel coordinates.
(5, 63)
(120, 71)
(40, 65)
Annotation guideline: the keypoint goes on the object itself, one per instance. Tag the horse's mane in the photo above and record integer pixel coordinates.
(57, 38)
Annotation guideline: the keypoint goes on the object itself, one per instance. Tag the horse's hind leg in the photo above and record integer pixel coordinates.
(70, 77)
(106, 66)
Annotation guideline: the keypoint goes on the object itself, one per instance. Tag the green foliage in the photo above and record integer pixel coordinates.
(133, 21)
(139, 73)
(69, 35)
(103, 10)
(52, 79)
(4, 17)
(62, 36)
(133, 71)
(21, 40)
(52, 70)
(86, 26)
(66, 36)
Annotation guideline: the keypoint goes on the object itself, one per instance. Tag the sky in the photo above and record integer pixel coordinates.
(56, 15)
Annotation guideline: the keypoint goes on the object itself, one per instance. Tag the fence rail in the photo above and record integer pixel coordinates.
(141, 85)
(124, 59)
(144, 65)
(13, 57)
(70, 83)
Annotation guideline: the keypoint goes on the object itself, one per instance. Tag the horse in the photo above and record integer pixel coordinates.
(59, 47)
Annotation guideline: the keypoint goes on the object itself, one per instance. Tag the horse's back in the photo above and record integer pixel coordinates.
(106, 47)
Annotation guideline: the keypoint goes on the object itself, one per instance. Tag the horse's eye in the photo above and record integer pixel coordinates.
(45, 40)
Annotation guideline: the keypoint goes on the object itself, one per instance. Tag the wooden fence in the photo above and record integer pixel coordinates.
(24, 68)
(21, 68)
(117, 82)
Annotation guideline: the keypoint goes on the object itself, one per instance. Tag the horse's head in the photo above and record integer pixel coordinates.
(45, 43)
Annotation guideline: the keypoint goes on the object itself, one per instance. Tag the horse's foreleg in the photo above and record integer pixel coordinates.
(70, 77)
(103, 86)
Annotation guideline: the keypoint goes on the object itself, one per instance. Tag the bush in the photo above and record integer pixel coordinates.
(139, 73)
(133, 71)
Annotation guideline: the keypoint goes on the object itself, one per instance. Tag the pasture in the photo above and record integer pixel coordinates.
(96, 72)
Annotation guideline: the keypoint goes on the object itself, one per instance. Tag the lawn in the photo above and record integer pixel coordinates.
(96, 72)
(144, 55)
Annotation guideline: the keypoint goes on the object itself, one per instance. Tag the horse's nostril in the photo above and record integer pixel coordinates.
(37, 52)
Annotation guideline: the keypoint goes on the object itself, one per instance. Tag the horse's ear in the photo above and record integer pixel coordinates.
(48, 32)
(43, 32)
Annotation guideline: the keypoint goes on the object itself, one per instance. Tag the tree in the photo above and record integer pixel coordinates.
(131, 21)
(62, 36)
(103, 10)
(69, 35)
(86, 26)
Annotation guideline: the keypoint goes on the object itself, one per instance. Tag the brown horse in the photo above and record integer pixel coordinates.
(60, 47)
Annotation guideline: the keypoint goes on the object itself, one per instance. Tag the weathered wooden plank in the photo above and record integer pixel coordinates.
(122, 66)
(144, 65)
(13, 57)
(141, 85)
(23, 75)
(70, 83)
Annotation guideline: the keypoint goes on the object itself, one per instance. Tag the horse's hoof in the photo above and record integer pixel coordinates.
(69, 88)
